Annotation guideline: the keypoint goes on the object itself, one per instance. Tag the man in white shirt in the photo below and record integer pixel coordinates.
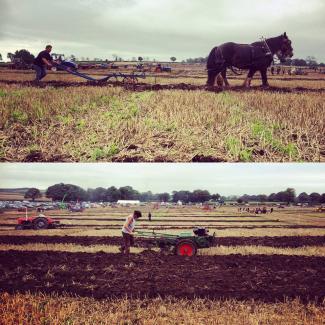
(127, 231)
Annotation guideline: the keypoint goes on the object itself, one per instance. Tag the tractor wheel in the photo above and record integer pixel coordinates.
(186, 247)
(19, 227)
(40, 223)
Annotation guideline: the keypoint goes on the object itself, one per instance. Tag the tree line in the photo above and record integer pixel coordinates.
(27, 57)
(288, 196)
(310, 61)
(70, 192)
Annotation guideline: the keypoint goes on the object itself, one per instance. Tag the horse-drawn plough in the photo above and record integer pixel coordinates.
(125, 78)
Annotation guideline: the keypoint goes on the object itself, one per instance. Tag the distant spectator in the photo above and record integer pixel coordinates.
(278, 70)
(258, 211)
(149, 216)
(272, 70)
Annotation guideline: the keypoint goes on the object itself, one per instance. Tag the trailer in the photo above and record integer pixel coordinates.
(183, 244)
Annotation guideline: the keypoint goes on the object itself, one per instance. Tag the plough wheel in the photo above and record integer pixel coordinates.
(130, 80)
(112, 79)
(185, 248)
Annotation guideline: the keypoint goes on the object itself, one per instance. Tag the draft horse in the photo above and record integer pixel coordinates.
(254, 57)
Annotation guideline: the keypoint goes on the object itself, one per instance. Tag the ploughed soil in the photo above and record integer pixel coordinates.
(155, 87)
(162, 220)
(285, 241)
(266, 278)
(181, 227)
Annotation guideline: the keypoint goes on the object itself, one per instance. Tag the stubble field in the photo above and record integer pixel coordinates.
(166, 117)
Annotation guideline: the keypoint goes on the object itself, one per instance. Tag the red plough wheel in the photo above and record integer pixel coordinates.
(186, 248)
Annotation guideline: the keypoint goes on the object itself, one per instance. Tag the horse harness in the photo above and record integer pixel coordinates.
(255, 53)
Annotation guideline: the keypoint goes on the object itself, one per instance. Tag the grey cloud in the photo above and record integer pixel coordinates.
(225, 178)
(4, 14)
(183, 28)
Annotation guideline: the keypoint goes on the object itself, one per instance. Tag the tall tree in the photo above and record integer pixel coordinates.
(33, 193)
(113, 194)
(199, 196)
(147, 196)
(215, 197)
(303, 197)
(322, 198)
(68, 192)
(315, 198)
(24, 55)
(163, 197)
(128, 193)
(183, 196)
(288, 196)
(99, 194)
(262, 197)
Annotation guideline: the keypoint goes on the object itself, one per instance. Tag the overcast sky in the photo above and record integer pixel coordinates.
(157, 28)
(226, 179)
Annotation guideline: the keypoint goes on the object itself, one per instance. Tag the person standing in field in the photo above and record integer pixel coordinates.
(42, 61)
(127, 232)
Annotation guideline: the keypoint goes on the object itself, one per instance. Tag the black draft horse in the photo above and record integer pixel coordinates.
(254, 57)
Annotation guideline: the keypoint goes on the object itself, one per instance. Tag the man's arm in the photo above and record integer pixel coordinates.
(47, 62)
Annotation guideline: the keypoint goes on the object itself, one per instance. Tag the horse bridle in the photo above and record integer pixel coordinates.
(283, 55)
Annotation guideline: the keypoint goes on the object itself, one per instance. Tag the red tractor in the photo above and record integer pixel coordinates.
(36, 222)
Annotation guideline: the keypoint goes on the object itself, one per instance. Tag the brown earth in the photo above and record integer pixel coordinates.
(266, 278)
(158, 219)
(285, 241)
(166, 227)
(180, 221)
(156, 87)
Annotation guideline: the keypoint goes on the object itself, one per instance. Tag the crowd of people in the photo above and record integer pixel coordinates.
(256, 210)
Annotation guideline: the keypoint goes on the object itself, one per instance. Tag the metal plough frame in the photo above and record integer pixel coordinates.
(126, 78)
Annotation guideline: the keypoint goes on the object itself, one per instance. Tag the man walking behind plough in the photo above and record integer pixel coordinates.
(42, 60)
(127, 232)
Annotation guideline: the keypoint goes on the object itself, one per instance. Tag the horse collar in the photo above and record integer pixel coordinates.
(267, 46)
